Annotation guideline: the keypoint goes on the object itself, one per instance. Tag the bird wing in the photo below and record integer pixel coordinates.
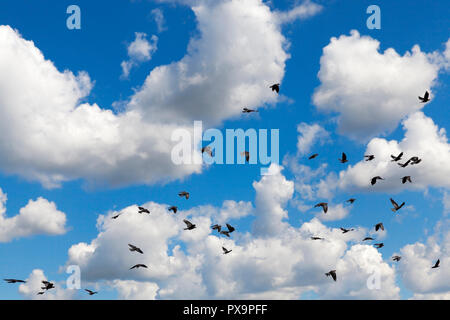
(426, 95)
(394, 203)
(230, 228)
(188, 223)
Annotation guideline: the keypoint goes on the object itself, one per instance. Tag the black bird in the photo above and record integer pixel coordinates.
(313, 156)
(369, 157)
(396, 206)
(246, 154)
(406, 179)
(396, 258)
(368, 238)
(90, 292)
(346, 230)
(226, 233)
(316, 238)
(351, 200)
(425, 98)
(208, 150)
(332, 273)
(374, 180)
(247, 110)
(47, 285)
(230, 228)
(14, 281)
(42, 292)
(379, 226)
(404, 165)
(225, 250)
(137, 266)
(415, 160)
(397, 158)
(189, 225)
(436, 265)
(134, 248)
(143, 210)
(217, 227)
(344, 158)
(173, 208)
(324, 206)
(116, 216)
(184, 194)
(379, 245)
(275, 87)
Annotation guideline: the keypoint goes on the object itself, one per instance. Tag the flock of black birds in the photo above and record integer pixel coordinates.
(379, 226)
(190, 226)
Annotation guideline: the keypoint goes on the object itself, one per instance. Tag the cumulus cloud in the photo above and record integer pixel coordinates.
(38, 217)
(310, 135)
(33, 285)
(301, 11)
(369, 90)
(140, 50)
(422, 138)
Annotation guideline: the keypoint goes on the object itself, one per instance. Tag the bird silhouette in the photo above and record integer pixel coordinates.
(313, 156)
(90, 292)
(47, 285)
(436, 265)
(406, 179)
(369, 157)
(134, 248)
(247, 110)
(346, 230)
(208, 150)
(14, 281)
(379, 245)
(174, 209)
(184, 194)
(189, 225)
(425, 98)
(226, 251)
(396, 258)
(324, 206)
(379, 226)
(396, 206)
(217, 227)
(332, 273)
(230, 228)
(116, 216)
(226, 233)
(404, 165)
(246, 154)
(373, 181)
(137, 266)
(343, 159)
(397, 158)
(368, 238)
(351, 200)
(414, 160)
(143, 210)
(275, 87)
(317, 238)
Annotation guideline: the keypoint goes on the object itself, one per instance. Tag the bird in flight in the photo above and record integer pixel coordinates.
(230, 228)
(217, 227)
(343, 159)
(368, 238)
(404, 165)
(332, 273)
(415, 160)
(425, 98)
(396, 206)
(379, 226)
(137, 266)
(90, 292)
(116, 216)
(313, 156)
(324, 206)
(47, 285)
(369, 157)
(351, 200)
(346, 230)
(246, 154)
(184, 194)
(247, 110)
(396, 258)
(374, 180)
(379, 245)
(406, 179)
(316, 238)
(436, 265)
(226, 251)
(225, 232)
(14, 281)
(189, 225)
(208, 150)
(41, 292)
(134, 248)
(174, 209)
(275, 87)
(143, 210)
(397, 158)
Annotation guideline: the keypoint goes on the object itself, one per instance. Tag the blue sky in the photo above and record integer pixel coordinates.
(99, 48)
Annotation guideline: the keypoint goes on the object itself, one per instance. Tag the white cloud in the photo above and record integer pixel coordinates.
(158, 16)
(371, 91)
(302, 11)
(38, 217)
(310, 135)
(30, 289)
(446, 202)
(135, 290)
(140, 50)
